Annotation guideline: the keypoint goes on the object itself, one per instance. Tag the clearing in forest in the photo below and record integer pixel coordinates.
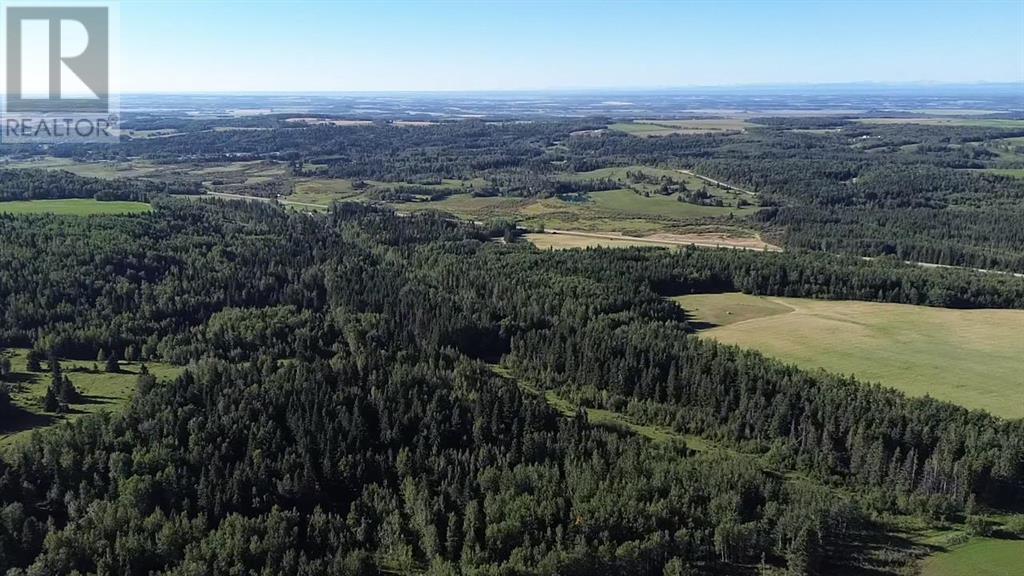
(968, 357)
(73, 207)
(101, 391)
(980, 557)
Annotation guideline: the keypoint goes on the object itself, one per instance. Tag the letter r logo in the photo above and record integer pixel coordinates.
(76, 42)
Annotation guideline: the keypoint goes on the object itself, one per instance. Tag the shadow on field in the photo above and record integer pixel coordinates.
(876, 553)
(16, 419)
(697, 326)
(95, 399)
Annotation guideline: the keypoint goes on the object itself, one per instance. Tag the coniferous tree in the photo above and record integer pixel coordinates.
(33, 361)
(112, 365)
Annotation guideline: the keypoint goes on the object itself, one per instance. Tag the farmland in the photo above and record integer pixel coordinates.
(980, 557)
(645, 128)
(968, 357)
(567, 241)
(929, 121)
(634, 199)
(73, 207)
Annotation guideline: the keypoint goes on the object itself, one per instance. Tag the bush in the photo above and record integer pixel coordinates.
(1015, 525)
(978, 526)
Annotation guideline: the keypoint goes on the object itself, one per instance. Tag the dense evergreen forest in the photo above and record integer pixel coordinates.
(364, 393)
(831, 184)
(47, 185)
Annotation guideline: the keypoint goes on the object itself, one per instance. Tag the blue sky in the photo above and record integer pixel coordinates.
(478, 45)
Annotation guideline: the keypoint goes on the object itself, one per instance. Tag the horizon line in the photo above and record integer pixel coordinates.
(737, 86)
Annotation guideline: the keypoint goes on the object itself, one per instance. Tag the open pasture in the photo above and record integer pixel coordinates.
(101, 392)
(646, 128)
(569, 241)
(658, 206)
(703, 125)
(928, 121)
(129, 169)
(980, 557)
(73, 207)
(968, 357)
(1011, 172)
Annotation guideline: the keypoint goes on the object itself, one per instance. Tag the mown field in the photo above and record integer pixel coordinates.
(646, 128)
(101, 391)
(927, 121)
(74, 207)
(968, 357)
(1012, 172)
(980, 557)
(566, 242)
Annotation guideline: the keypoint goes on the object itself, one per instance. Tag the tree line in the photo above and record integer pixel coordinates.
(341, 415)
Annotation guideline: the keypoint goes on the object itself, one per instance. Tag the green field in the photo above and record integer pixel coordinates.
(108, 170)
(101, 391)
(468, 206)
(693, 126)
(725, 309)
(621, 175)
(1012, 172)
(657, 206)
(73, 207)
(968, 357)
(567, 242)
(623, 211)
(321, 191)
(979, 122)
(980, 557)
(640, 129)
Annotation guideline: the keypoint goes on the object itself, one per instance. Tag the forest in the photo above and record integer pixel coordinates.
(368, 392)
(36, 184)
(836, 184)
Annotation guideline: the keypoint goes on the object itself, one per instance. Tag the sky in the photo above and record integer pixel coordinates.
(229, 46)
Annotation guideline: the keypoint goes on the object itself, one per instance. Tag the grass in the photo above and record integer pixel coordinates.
(709, 238)
(468, 206)
(904, 540)
(1012, 172)
(319, 191)
(703, 125)
(656, 205)
(645, 128)
(106, 170)
(620, 174)
(979, 557)
(159, 133)
(656, 434)
(980, 122)
(610, 419)
(101, 392)
(566, 242)
(725, 309)
(73, 207)
(615, 211)
(324, 191)
(625, 210)
(968, 357)
(621, 211)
